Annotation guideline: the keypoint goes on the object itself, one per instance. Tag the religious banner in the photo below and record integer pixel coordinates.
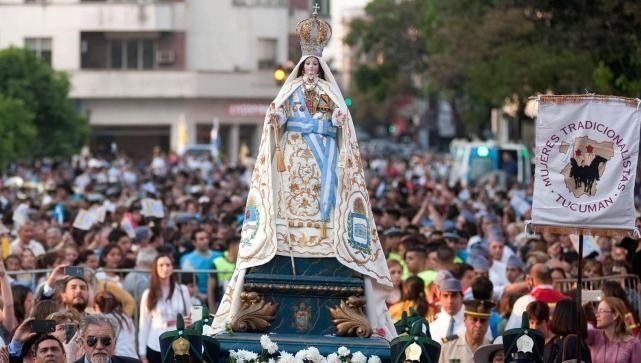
(586, 158)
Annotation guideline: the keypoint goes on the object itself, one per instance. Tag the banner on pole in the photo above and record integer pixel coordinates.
(586, 158)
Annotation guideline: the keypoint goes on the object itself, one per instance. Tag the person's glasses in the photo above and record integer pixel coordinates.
(603, 312)
(92, 341)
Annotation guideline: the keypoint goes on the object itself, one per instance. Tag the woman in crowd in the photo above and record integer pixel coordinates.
(110, 258)
(106, 303)
(412, 296)
(538, 314)
(160, 304)
(562, 346)
(23, 298)
(631, 319)
(611, 342)
(28, 262)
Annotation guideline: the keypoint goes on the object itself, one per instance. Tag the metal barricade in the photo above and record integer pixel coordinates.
(33, 278)
(591, 288)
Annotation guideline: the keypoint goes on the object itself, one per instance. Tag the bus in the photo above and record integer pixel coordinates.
(472, 160)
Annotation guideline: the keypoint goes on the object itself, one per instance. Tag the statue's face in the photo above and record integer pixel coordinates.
(311, 66)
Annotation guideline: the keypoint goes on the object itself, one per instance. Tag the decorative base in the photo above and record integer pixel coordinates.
(293, 343)
(304, 301)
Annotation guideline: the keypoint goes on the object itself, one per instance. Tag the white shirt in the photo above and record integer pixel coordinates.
(517, 311)
(438, 328)
(162, 318)
(34, 246)
(497, 274)
(126, 339)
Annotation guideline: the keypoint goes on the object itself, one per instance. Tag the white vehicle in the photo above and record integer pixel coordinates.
(472, 160)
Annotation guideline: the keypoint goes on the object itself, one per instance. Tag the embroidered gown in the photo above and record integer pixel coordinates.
(306, 194)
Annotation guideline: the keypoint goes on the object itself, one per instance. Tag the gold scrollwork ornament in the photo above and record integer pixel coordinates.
(349, 318)
(254, 314)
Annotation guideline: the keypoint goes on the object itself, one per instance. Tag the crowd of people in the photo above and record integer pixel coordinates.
(458, 255)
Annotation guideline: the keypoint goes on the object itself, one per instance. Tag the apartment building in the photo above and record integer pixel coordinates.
(158, 72)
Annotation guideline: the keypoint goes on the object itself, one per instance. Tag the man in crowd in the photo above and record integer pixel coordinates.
(75, 290)
(450, 320)
(48, 349)
(98, 334)
(477, 315)
(201, 258)
(539, 280)
(25, 240)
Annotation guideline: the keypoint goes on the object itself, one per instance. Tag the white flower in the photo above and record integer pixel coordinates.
(272, 348)
(333, 358)
(286, 357)
(343, 352)
(233, 356)
(359, 357)
(301, 355)
(246, 356)
(265, 341)
(374, 359)
(314, 355)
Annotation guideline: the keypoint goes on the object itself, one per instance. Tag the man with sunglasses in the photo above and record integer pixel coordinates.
(98, 333)
(477, 316)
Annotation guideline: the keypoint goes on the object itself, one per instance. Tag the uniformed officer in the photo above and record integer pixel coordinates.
(476, 320)
(450, 320)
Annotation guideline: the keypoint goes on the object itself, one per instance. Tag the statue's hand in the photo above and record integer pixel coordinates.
(338, 117)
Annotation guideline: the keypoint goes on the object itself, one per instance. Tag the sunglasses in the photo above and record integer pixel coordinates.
(92, 341)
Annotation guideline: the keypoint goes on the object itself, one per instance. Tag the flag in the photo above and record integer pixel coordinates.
(586, 157)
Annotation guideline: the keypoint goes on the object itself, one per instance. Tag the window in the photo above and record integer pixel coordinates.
(40, 46)
(266, 53)
(132, 54)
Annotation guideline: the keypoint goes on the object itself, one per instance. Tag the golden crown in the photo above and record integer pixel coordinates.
(314, 35)
(180, 346)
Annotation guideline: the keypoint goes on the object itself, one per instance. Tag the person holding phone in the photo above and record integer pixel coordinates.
(75, 289)
(160, 304)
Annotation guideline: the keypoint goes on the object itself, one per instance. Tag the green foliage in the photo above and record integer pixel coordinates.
(480, 53)
(17, 129)
(61, 130)
(391, 41)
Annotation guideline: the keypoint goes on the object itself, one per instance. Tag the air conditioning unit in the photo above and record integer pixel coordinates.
(166, 56)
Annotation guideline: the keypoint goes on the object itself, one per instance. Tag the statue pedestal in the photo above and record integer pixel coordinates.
(300, 315)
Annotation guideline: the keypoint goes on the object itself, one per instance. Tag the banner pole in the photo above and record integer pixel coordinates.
(579, 305)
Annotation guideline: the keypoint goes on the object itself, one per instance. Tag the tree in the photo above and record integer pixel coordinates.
(487, 52)
(479, 54)
(390, 39)
(17, 129)
(43, 92)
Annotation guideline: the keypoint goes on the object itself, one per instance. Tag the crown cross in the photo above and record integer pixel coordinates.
(316, 7)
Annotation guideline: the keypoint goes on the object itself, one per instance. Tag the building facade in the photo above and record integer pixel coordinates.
(137, 67)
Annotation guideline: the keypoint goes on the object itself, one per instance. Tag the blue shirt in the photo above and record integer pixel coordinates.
(195, 261)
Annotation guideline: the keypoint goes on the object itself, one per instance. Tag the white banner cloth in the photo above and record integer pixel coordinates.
(586, 157)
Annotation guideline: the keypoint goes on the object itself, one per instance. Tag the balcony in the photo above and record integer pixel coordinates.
(88, 84)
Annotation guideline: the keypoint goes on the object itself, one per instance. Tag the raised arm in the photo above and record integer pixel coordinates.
(8, 312)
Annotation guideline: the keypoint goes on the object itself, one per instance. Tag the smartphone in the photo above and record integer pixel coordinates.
(196, 313)
(70, 331)
(77, 271)
(43, 326)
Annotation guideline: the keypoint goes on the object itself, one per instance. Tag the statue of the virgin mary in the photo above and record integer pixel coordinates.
(308, 197)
